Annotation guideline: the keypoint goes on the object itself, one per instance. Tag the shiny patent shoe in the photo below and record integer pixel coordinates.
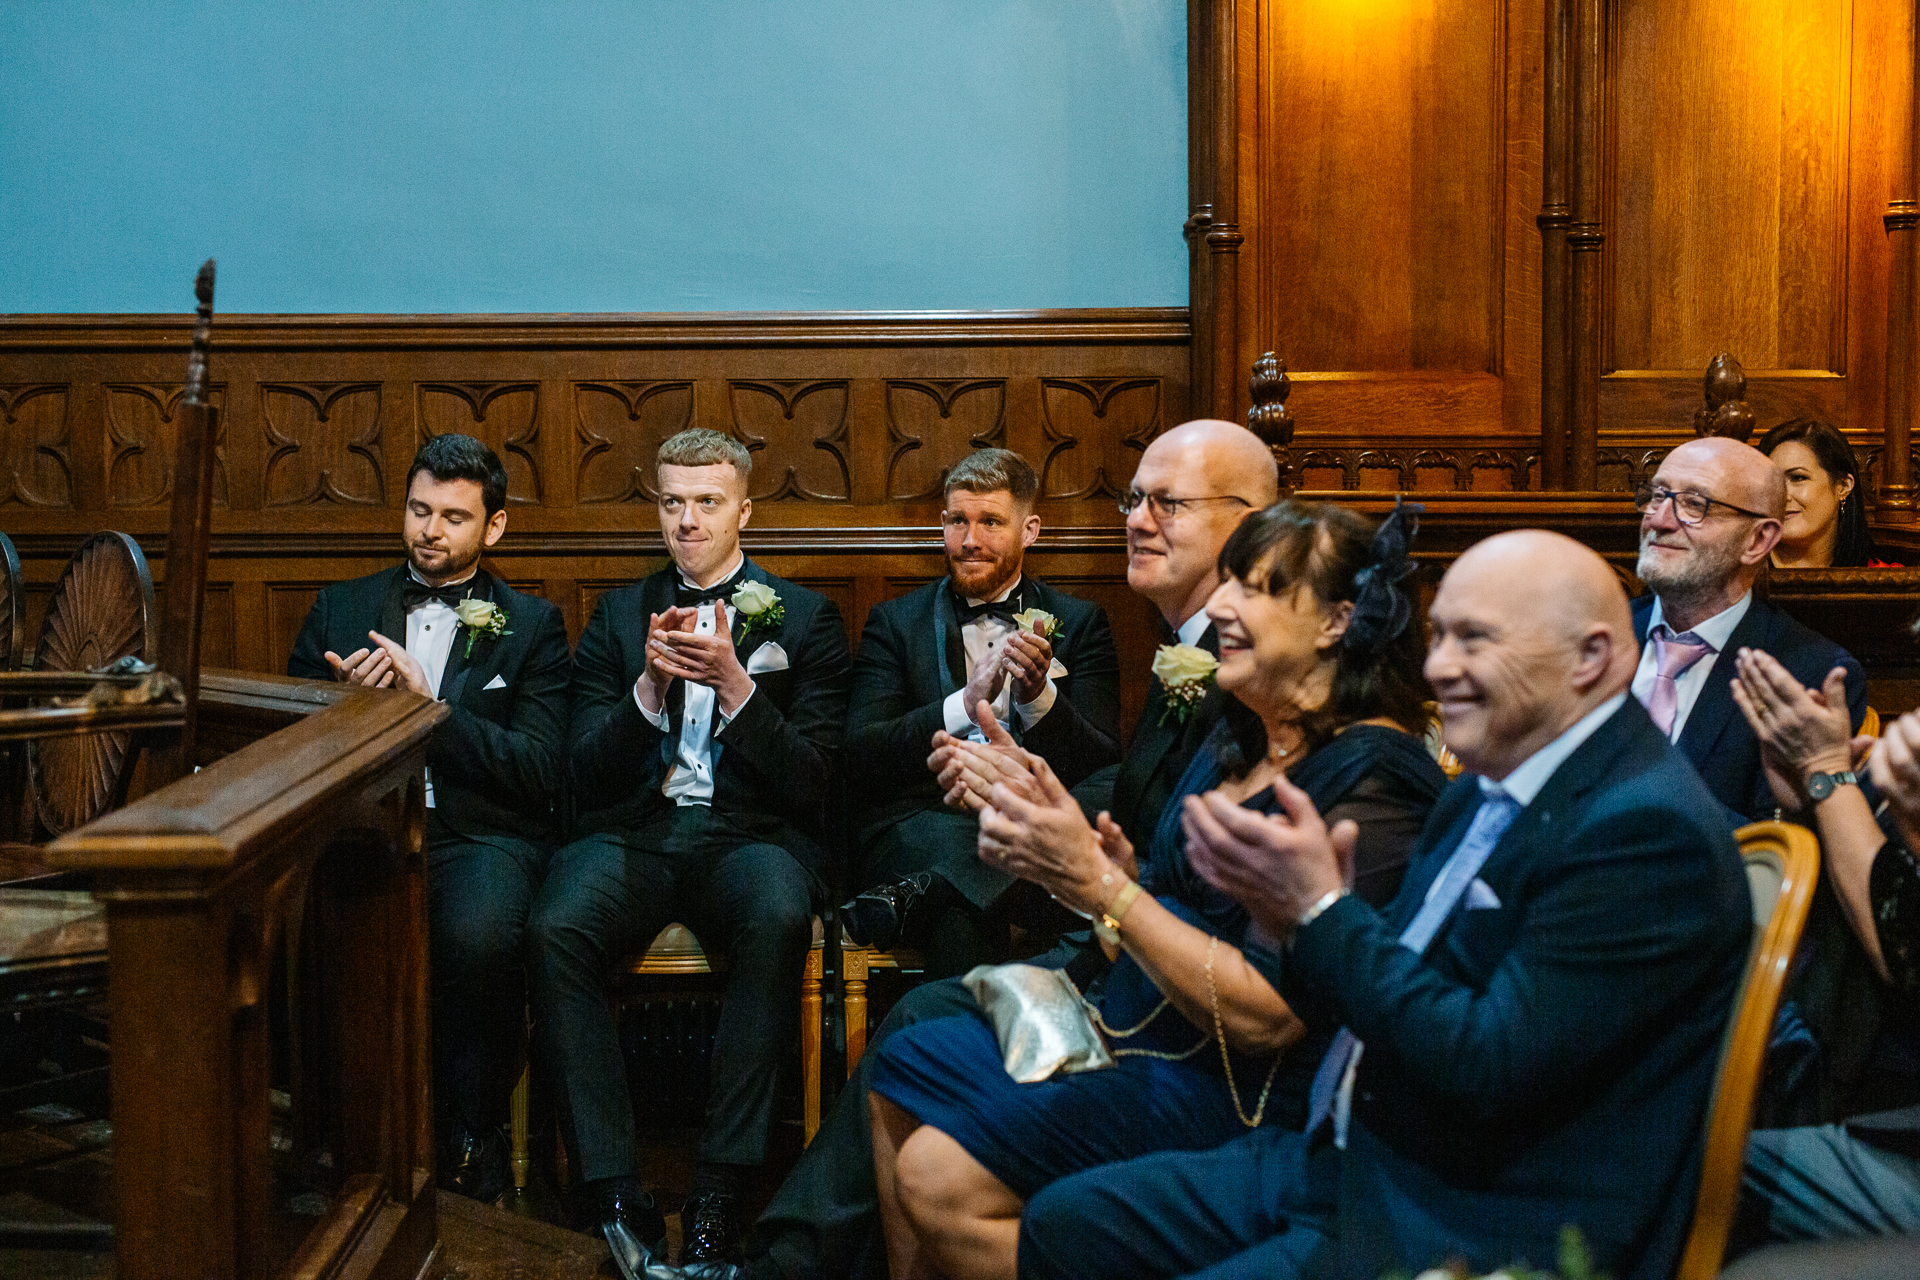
(475, 1165)
(706, 1229)
(879, 917)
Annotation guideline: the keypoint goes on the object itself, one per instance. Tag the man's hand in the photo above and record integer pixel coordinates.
(1027, 658)
(1801, 731)
(967, 770)
(988, 679)
(709, 660)
(372, 667)
(407, 671)
(1275, 866)
(1048, 842)
(1895, 767)
(652, 682)
(1116, 845)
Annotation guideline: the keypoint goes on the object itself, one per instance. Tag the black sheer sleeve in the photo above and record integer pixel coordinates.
(1894, 887)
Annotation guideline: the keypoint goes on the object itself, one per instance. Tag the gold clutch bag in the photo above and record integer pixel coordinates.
(1040, 1020)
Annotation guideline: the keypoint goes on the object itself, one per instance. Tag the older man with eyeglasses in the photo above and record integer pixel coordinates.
(1707, 522)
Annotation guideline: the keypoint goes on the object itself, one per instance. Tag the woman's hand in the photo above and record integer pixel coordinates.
(1048, 842)
(1895, 767)
(1801, 731)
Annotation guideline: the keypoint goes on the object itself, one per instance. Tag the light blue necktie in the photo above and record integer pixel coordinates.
(1332, 1091)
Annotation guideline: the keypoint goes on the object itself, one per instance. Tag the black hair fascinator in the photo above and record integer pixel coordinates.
(1381, 607)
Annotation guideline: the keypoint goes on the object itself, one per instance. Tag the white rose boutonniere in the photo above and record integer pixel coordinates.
(759, 604)
(1039, 622)
(481, 615)
(1185, 671)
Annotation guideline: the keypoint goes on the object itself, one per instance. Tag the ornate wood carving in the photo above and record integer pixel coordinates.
(935, 422)
(1407, 467)
(1269, 386)
(39, 468)
(323, 443)
(503, 415)
(798, 430)
(1096, 429)
(101, 610)
(621, 426)
(1726, 413)
(143, 439)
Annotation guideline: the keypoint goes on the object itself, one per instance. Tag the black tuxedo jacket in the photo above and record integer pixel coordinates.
(496, 759)
(1717, 738)
(912, 657)
(773, 763)
(1548, 1060)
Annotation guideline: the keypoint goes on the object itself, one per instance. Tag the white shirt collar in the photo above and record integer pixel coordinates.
(1193, 628)
(1524, 783)
(1011, 588)
(415, 575)
(1717, 630)
(739, 558)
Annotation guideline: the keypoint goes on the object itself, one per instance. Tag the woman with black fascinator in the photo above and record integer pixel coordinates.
(1321, 646)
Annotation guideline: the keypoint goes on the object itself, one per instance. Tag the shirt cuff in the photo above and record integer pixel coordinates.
(1031, 712)
(726, 719)
(954, 713)
(658, 719)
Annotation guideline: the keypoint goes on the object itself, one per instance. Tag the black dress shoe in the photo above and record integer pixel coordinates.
(476, 1165)
(706, 1229)
(634, 1229)
(879, 917)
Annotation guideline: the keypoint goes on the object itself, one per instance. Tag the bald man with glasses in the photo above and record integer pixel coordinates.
(1707, 523)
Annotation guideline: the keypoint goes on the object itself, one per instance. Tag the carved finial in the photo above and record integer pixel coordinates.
(1726, 414)
(1270, 388)
(196, 392)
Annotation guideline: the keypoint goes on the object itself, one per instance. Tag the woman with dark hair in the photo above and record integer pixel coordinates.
(1321, 647)
(1826, 524)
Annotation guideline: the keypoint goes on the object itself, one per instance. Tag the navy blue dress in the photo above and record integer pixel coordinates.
(948, 1074)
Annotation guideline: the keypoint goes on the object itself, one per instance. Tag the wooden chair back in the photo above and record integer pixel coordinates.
(1783, 864)
(1870, 723)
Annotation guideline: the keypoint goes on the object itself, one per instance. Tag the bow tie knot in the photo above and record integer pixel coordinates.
(686, 597)
(414, 593)
(1001, 609)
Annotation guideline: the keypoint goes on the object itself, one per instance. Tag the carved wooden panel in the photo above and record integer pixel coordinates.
(1096, 430)
(797, 431)
(323, 443)
(288, 604)
(142, 438)
(1409, 467)
(935, 422)
(1380, 165)
(620, 426)
(1730, 184)
(33, 438)
(503, 415)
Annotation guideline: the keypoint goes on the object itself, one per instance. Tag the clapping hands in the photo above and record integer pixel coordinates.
(1801, 730)
(1275, 865)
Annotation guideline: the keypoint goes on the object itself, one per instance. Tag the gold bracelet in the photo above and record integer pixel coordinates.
(1107, 927)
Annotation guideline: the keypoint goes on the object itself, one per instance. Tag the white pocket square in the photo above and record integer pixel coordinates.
(495, 683)
(768, 657)
(1056, 671)
(1479, 896)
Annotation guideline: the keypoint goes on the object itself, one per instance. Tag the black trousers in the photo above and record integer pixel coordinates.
(604, 899)
(824, 1222)
(478, 895)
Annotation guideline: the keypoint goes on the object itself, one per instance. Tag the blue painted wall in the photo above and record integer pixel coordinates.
(590, 155)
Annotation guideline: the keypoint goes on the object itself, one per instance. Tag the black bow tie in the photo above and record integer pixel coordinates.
(686, 597)
(1001, 609)
(414, 593)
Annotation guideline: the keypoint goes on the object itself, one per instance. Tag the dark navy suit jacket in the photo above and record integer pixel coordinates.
(496, 759)
(1717, 738)
(1548, 1061)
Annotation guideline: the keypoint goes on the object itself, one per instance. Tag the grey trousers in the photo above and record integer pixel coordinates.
(1823, 1183)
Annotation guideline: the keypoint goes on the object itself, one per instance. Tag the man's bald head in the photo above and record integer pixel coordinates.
(1216, 471)
(1699, 570)
(1531, 631)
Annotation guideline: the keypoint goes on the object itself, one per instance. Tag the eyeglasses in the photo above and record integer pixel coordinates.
(1688, 508)
(1165, 507)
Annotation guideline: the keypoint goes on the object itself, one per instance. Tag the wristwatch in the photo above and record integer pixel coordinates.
(1821, 785)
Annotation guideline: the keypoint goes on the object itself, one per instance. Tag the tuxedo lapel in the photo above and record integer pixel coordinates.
(950, 647)
(468, 645)
(393, 611)
(743, 648)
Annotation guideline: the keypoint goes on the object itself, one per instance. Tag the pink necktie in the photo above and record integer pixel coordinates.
(1672, 655)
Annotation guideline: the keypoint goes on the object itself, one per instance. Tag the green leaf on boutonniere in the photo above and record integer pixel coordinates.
(481, 615)
(758, 606)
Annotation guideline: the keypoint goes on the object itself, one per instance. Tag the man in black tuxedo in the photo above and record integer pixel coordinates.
(1193, 485)
(440, 625)
(708, 706)
(1708, 521)
(926, 661)
(1529, 1031)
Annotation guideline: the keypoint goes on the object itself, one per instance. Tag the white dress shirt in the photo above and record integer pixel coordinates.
(1715, 631)
(432, 627)
(1190, 631)
(690, 780)
(984, 636)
